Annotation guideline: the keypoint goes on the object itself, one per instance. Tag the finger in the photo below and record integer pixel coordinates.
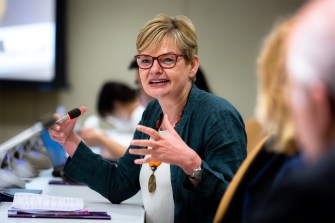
(141, 161)
(57, 136)
(54, 128)
(145, 160)
(143, 143)
(149, 131)
(53, 135)
(167, 124)
(57, 116)
(141, 151)
(83, 109)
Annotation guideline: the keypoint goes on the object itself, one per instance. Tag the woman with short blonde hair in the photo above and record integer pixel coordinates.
(188, 144)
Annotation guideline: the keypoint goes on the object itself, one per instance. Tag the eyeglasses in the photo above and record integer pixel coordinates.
(167, 61)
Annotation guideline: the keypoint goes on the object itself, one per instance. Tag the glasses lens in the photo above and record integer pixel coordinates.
(152, 183)
(167, 60)
(144, 61)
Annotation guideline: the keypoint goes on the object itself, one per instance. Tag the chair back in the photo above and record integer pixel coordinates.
(237, 179)
(255, 133)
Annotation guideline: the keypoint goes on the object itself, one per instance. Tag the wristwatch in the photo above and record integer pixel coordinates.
(197, 173)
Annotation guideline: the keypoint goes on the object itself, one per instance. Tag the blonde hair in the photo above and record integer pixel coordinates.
(2, 8)
(271, 109)
(179, 28)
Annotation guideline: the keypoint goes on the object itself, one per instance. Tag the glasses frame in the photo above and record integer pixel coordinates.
(156, 58)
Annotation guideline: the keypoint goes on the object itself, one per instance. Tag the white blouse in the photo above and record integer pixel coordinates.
(158, 205)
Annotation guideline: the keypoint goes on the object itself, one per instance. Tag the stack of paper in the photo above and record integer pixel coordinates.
(46, 206)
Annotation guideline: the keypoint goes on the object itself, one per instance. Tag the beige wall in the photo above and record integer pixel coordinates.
(101, 43)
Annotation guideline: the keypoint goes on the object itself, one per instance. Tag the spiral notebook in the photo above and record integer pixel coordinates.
(29, 205)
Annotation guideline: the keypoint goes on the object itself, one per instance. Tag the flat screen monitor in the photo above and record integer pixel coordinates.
(32, 44)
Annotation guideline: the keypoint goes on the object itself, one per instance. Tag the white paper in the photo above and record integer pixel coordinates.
(31, 201)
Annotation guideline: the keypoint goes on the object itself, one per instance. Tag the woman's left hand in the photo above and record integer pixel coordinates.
(167, 148)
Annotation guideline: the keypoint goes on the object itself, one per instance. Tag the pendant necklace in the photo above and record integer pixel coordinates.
(155, 165)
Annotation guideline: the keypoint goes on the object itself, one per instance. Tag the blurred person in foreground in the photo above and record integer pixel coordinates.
(276, 154)
(119, 108)
(308, 194)
(188, 145)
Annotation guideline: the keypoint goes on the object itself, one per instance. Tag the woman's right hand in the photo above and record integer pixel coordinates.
(63, 133)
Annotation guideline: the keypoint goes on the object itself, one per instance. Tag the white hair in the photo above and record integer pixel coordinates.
(311, 46)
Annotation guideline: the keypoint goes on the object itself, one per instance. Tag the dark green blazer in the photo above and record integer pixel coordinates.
(210, 125)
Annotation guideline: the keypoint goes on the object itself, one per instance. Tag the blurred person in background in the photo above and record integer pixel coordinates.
(119, 107)
(308, 194)
(143, 96)
(201, 81)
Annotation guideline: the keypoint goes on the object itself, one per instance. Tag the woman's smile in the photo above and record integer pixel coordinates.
(158, 82)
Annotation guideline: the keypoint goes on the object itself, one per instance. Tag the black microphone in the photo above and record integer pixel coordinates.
(74, 113)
